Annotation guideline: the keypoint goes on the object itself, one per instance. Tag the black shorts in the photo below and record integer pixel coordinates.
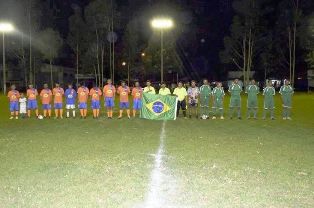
(182, 105)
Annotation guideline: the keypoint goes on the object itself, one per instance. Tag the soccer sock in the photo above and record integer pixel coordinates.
(108, 113)
(230, 112)
(29, 113)
(134, 113)
(97, 112)
(81, 112)
(128, 112)
(184, 113)
(61, 113)
(85, 112)
(56, 113)
(121, 111)
(221, 112)
(45, 113)
(49, 113)
(73, 112)
(255, 112)
(36, 111)
(264, 113)
(68, 113)
(272, 113)
(288, 112)
(239, 112)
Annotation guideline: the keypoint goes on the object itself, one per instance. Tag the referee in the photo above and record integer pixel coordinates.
(181, 93)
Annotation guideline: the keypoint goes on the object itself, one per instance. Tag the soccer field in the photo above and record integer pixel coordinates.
(148, 164)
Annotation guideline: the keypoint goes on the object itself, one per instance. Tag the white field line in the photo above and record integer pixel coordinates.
(162, 185)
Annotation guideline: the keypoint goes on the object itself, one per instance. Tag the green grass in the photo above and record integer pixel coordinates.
(108, 163)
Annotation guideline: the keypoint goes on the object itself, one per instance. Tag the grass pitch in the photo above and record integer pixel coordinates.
(119, 163)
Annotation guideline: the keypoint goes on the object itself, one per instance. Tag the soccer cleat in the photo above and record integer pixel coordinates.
(16, 117)
(214, 117)
(239, 118)
(284, 118)
(272, 118)
(289, 118)
(222, 118)
(129, 117)
(11, 117)
(119, 117)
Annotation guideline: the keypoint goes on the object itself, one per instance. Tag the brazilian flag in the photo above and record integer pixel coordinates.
(159, 107)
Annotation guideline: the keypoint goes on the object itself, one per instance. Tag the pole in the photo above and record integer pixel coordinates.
(3, 62)
(128, 73)
(161, 55)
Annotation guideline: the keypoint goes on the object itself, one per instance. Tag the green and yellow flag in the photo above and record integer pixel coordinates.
(159, 107)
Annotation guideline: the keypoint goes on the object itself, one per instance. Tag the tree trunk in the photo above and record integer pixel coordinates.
(96, 77)
(102, 65)
(30, 42)
(77, 63)
(290, 54)
(51, 75)
(244, 57)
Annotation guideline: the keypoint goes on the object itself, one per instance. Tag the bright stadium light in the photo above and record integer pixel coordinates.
(5, 27)
(162, 24)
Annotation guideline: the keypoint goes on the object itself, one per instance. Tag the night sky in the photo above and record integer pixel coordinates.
(210, 18)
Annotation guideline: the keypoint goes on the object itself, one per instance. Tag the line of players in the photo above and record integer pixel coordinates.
(191, 99)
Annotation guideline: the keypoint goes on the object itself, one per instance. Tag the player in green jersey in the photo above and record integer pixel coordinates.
(235, 90)
(204, 95)
(252, 90)
(218, 101)
(286, 92)
(269, 105)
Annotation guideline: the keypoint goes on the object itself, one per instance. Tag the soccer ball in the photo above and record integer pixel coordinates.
(40, 117)
(204, 117)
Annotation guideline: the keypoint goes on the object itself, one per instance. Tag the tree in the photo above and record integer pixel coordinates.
(98, 15)
(244, 42)
(307, 39)
(49, 43)
(76, 37)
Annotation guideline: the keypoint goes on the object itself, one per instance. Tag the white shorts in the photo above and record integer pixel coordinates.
(68, 107)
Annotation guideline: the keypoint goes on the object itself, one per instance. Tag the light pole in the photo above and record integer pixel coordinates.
(4, 28)
(162, 24)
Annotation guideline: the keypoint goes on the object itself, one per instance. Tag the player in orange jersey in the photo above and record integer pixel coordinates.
(46, 97)
(95, 94)
(109, 93)
(124, 92)
(14, 96)
(137, 92)
(58, 93)
(82, 94)
(32, 94)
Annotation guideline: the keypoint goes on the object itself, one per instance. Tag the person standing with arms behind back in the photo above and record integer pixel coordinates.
(193, 94)
(124, 92)
(218, 101)
(252, 91)
(235, 100)
(269, 105)
(137, 97)
(23, 105)
(205, 93)
(82, 94)
(58, 93)
(46, 96)
(32, 94)
(70, 97)
(14, 96)
(286, 92)
(109, 92)
(149, 89)
(181, 93)
(164, 90)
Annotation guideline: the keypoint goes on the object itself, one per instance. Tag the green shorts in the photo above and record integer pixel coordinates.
(287, 102)
(204, 101)
(269, 104)
(218, 104)
(235, 102)
(252, 103)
